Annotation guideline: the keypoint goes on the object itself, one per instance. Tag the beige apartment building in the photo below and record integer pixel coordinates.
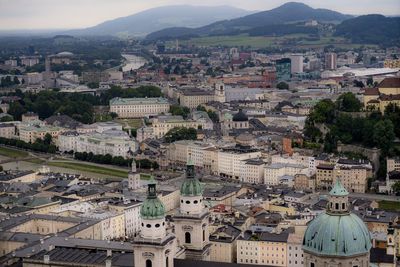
(139, 107)
(163, 124)
(223, 244)
(263, 249)
(29, 134)
(304, 182)
(253, 171)
(354, 179)
(393, 164)
(193, 97)
(324, 176)
(8, 130)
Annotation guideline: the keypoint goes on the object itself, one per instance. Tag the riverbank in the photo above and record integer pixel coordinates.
(132, 62)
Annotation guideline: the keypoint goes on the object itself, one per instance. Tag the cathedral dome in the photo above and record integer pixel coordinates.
(240, 116)
(337, 235)
(152, 208)
(337, 232)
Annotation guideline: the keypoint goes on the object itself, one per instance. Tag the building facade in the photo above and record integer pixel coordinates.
(139, 107)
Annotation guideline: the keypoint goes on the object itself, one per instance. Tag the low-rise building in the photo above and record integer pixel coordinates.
(223, 244)
(139, 107)
(263, 248)
(274, 171)
(29, 133)
(113, 142)
(324, 176)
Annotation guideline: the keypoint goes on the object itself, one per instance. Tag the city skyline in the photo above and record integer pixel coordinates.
(46, 14)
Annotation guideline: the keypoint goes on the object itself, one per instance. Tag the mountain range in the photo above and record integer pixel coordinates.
(159, 18)
(371, 29)
(285, 16)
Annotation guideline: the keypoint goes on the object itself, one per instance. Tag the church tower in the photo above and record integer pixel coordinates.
(219, 91)
(154, 247)
(192, 220)
(133, 177)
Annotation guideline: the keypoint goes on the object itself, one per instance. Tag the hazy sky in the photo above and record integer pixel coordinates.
(47, 14)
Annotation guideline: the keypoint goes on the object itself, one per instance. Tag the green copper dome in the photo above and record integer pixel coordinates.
(191, 186)
(152, 208)
(337, 235)
(338, 190)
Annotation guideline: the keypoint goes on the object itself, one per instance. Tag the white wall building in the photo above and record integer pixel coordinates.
(274, 171)
(296, 63)
(139, 107)
(113, 142)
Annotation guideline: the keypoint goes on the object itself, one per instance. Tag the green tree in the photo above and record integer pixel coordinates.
(16, 110)
(383, 135)
(323, 112)
(396, 187)
(48, 139)
(113, 115)
(282, 86)
(370, 81)
(6, 118)
(179, 111)
(180, 133)
(16, 80)
(348, 102)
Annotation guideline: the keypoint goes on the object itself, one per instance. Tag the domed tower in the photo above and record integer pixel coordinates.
(191, 222)
(153, 247)
(133, 177)
(240, 120)
(337, 237)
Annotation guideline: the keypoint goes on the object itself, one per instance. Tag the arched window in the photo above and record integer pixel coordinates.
(336, 206)
(204, 235)
(343, 206)
(149, 263)
(166, 262)
(188, 238)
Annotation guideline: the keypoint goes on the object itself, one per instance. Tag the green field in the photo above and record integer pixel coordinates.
(298, 40)
(12, 153)
(90, 168)
(35, 160)
(132, 123)
(389, 205)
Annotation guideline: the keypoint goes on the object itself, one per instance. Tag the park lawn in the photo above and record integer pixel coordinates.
(132, 123)
(237, 40)
(389, 205)
(90, 168)
(12, 153)
(299, 40)
(35, 160)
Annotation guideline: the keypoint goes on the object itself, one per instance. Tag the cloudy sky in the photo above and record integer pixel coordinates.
(63, 14)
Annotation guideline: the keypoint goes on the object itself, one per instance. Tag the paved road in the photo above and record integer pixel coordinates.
(376, 197)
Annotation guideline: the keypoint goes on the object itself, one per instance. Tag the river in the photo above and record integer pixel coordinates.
(132, 62)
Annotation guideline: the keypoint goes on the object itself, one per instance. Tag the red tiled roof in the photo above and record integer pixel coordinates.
(389, 97)
(371, 91)
(392, 82)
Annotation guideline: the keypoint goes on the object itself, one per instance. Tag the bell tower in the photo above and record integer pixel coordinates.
(133, 177)
(219, 90)
(154, 247)
(192, 221)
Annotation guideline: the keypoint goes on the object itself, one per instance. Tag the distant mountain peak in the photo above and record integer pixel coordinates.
(154, 19)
